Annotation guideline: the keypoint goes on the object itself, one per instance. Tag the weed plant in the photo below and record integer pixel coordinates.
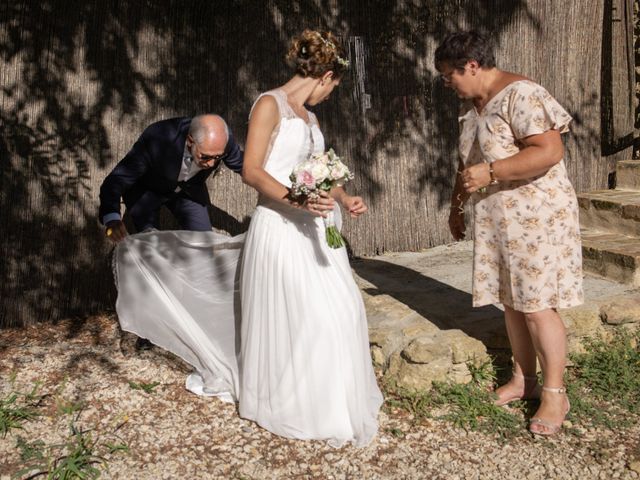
(82, 455)
(469, 406)
(145, 387)
(603, 385)
(16, 408)
(604, 382)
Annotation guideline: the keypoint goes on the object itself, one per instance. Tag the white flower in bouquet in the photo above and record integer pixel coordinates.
(323, 171)
(320, 171)
(339, 172)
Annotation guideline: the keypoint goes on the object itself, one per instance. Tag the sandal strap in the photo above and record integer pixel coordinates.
(519, 375)
(552, 428)
(555, 390)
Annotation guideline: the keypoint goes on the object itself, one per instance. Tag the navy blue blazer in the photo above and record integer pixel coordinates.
(154, 163)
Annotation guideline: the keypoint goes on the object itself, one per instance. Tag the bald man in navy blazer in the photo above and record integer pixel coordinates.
(168, 165)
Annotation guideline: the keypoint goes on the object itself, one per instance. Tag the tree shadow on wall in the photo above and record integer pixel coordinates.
(410, 103)
(81, 79)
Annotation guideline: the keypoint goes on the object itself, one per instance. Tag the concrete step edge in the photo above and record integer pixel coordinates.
(608, 205)
(612, 256)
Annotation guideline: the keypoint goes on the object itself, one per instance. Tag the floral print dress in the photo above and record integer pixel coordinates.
(527, 252)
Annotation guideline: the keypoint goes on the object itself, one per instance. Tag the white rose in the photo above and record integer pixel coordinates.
(338, 171)
(320, 172)
(301, 166)
(322, 157)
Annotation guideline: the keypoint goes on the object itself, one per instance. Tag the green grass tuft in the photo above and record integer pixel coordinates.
(146, 387)
(469, 406)
(82, 455)
(604, 382)
(17, 408)
(603, 385)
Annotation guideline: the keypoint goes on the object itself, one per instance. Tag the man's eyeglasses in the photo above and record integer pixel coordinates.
(208, 158)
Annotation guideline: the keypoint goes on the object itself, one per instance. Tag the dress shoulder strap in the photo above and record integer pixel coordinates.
(281, 100)
(313, 120)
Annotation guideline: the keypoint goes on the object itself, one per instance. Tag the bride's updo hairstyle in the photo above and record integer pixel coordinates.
(313, 53)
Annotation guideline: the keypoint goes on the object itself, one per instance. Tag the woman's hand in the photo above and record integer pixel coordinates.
(354, 205)
(456, 223)
(538, 153)
(476, 177)
(319, 205)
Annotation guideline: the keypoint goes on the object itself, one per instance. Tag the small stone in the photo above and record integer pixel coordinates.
(621, 309)
(420, 376)
(634, 466)
(419, 329)
(426, 350)
(582, 321)
(463, 347)
(377, 356)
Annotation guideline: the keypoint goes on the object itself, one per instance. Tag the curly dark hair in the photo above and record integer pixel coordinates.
(314, 53)
(458, 48)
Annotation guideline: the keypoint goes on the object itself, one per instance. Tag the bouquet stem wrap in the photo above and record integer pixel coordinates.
(333, 236)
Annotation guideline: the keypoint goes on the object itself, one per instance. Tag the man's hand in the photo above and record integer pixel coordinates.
(456, 223)
(115, 231)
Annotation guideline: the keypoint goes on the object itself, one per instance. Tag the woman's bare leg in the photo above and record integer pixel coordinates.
(524, 357)
(548, 335)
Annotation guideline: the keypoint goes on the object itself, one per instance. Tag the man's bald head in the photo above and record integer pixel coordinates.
(208, 126)
(208, 137)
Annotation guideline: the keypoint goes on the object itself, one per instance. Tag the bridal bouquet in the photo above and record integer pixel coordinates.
(322, 171)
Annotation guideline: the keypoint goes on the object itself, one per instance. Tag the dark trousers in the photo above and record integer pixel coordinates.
(191, 215)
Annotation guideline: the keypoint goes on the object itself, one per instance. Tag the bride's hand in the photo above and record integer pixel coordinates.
(354, 205)
(319, 205)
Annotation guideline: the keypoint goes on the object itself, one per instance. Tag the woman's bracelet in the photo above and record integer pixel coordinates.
(494, 180)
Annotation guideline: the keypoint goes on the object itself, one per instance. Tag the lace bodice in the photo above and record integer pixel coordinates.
(292, 141)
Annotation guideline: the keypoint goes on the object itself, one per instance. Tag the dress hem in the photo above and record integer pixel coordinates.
(521, 308)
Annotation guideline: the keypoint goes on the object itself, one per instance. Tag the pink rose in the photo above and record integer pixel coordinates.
(306, 178)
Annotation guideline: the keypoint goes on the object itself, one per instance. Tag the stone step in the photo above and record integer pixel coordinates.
(628, 175)
(611, 255)
(614, 211)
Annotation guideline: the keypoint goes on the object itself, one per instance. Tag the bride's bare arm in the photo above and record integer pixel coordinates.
(353, 204)
(264, 119)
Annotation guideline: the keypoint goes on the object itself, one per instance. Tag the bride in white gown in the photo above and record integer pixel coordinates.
(302, 368)
(306, 367)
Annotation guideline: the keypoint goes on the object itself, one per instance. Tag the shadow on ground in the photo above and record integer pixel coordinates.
(444, 305)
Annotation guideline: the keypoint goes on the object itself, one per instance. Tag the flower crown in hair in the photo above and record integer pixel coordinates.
(341, 61)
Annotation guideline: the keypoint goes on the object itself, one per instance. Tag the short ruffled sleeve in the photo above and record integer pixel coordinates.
(531, 110)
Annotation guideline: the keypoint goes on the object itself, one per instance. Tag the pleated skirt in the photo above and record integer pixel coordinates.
(305, 366)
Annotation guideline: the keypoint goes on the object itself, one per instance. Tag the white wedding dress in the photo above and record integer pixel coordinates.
(301, 366)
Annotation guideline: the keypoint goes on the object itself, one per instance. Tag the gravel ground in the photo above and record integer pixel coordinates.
(173, 434)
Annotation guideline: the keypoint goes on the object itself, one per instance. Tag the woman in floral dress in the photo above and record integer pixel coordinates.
(527, 252)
